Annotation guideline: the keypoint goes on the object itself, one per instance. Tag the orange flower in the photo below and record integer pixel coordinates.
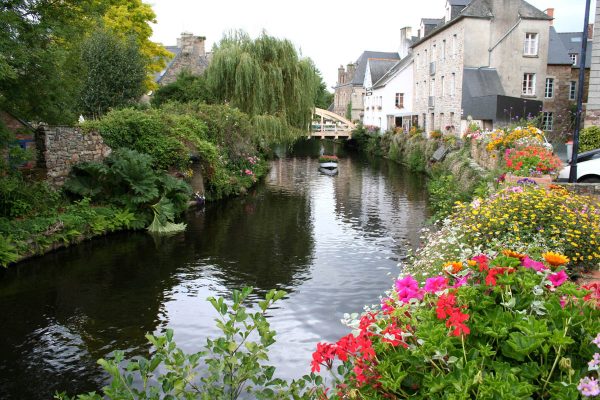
(471, 263)
(453, 267)
(555, 259)
(513, 254)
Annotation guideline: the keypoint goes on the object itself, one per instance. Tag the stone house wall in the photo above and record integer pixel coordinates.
(60, 147)
(559, 104)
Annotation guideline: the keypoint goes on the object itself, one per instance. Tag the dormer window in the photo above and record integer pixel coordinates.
(530, 47)
(573, 58)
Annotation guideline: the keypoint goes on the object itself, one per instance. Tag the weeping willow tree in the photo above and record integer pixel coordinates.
(266, 79)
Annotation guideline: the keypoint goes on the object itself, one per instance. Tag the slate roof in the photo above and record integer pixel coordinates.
(557, 52)
(392, 72)
(480, 91)
(479, 82)
(483, 9)
(572, 42)
(173, 50)
(431, 21)
(378, 68)
(459, 2)
(361, 64)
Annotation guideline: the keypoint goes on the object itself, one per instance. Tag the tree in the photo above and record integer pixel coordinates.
(115, 72)
(266, 79)
(132, 18)
(186, 88)
(323, 98)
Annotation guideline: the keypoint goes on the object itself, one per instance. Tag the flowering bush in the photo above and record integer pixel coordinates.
(501, 139)
(526, 218)
(488, 328)
(326, 158)
(532, 161)
(519, 214)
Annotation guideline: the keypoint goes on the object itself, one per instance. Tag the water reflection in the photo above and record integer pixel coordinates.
(332, 242)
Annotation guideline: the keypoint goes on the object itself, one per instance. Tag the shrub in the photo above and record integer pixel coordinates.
(532, 161)
(589, 138)
(435, 134)
(523, 218)
(126, 179)
(230, 366)
(444, 191)
(145, 131)
(488, 328)
(20, 198)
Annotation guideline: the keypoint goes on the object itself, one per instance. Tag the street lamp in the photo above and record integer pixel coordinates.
(573, 172)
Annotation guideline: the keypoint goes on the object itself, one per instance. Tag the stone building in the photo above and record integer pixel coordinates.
(558, 91)
(592, 114)
(188, 55)
(349, 90)
(500, 45)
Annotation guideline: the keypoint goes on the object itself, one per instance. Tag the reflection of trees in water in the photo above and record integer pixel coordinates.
(385, 197)
(263, 240)
(66, 310)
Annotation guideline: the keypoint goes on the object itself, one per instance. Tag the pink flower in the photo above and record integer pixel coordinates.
(387, 304)
(462, 281)
(558, 278)
(588, 387)
(436, 284)
(596, 341)
(408, 288)
(536, 265)
(248, 172)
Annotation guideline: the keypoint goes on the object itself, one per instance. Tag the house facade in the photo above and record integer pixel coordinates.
(592, 113)
(349, 93)
(502, 45)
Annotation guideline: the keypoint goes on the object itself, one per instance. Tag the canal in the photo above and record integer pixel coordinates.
(333, 243)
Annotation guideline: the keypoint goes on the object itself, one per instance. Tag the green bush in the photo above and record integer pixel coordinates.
(589, 138)
(20, 198)
(231, 366)
(444, 191)
(126, 179)
(145, 131)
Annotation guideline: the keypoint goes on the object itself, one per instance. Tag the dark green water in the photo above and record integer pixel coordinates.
(333, 243)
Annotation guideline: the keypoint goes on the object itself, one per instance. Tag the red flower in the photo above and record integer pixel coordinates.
(445, 305)
(456, 321)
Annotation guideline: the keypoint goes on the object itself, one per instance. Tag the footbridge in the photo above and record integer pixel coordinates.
(327, 124)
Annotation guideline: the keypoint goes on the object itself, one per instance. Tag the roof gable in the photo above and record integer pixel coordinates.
(557, 52)
(361, 64)
(393, 72)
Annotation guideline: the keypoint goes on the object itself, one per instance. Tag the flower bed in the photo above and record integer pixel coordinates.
(532, 161)
(526, 218)
(498, 327)
(328, 159)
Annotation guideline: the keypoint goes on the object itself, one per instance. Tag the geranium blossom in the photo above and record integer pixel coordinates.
(536, 265)
(407, 289)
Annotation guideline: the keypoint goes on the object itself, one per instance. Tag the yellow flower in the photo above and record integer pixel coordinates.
(555, 259)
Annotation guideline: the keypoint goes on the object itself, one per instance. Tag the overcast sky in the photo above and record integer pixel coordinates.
(331, 32)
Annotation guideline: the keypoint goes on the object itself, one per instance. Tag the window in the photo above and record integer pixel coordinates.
(433, 52)
(573, 58)
(453, 85)
(531, 44)
(399, 100)
(432, 88)
(528, 84)
(443, 50)
(454, 44)
(443, 87)
(547, 120)
(549, 91)
(425, 60)
(572, 90)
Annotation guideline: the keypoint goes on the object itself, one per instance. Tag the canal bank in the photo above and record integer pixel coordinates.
(333, 243)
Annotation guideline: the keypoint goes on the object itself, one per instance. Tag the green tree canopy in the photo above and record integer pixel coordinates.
(266, 79)
(114, 72)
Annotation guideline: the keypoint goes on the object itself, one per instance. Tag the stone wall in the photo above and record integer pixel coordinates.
(559, 104)
(486, 159)
(584, 189)
(60, 147)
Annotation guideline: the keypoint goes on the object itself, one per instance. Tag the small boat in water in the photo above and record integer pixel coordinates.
(328, 164)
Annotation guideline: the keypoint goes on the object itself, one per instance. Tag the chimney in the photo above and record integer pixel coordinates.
(405, 35)
(590, 31)
(550, 12)
(351, 68)
(341, 73)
